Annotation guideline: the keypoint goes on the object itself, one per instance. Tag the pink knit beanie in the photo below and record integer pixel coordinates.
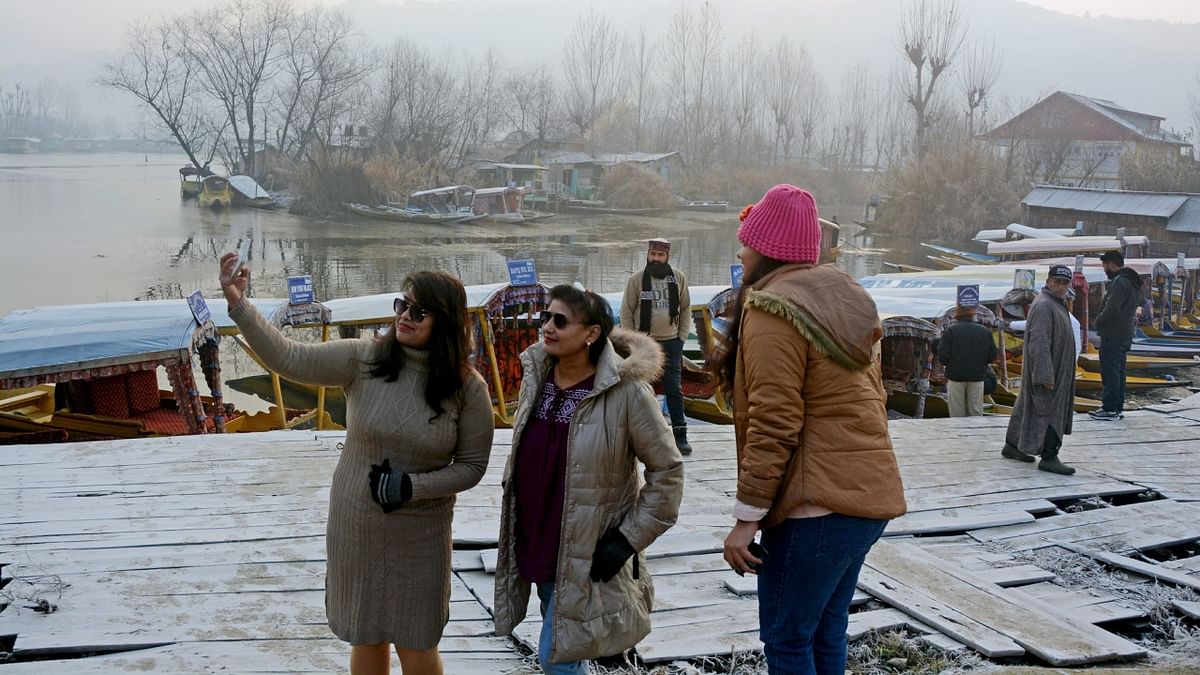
(783, 225)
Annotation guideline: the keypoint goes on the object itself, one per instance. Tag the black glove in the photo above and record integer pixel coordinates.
(612, 551)
(389, 488)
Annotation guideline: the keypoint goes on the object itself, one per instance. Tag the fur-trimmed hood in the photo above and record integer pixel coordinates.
(630, 355)
(827, 307)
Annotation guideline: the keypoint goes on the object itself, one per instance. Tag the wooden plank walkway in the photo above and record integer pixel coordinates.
(208, 552)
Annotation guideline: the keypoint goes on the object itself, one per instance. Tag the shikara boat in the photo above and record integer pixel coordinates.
(504, 205)
(215, 193)
(189, 182)
(247, 192)
(102, 364)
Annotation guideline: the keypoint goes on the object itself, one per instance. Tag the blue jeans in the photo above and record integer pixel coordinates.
(1112, 373)
(804, 589)
(672, 373)
(545, 593)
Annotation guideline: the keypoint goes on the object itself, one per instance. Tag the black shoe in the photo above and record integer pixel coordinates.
(1106, 415)
(1009, 452)
(681, 441)
(1052, 465)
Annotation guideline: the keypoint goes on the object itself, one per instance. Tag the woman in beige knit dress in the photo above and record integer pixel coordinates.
(418, 431)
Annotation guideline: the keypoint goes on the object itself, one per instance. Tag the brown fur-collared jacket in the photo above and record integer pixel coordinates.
(808, 398)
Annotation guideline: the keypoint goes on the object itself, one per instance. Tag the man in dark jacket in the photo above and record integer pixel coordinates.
(966, 349)
(1115, 324)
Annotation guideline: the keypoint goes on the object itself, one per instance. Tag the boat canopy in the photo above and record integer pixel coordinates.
(492, 191)
(1057, 245)
(985, 236)
(373, 310)
(1026, 232)
(908, 326)
(248, 188)
(441, 190)
(59, 343)
(216, 182)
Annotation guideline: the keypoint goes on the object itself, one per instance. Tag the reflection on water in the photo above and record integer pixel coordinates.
(100, 227)
(80, 228)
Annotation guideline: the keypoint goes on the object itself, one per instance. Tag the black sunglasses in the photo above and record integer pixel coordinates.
(560, 320)
(415, 311)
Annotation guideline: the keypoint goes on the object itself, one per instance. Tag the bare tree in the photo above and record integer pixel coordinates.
(641, 67)
(855, 114)
(977, 79)
(322, 64)
(481, 103)
(15, 110)
(236, 47)
(812, 108)
(1194, 99)
(787, 70)
(745, 85)
(165, 81)
(931, 36)
(416, 112)
(594, 71)
(677, 78)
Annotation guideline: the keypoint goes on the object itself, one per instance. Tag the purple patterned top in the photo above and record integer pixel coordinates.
(541, 474)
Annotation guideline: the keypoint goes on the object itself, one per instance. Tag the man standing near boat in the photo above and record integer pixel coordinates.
(1115, 327)
(966, 350)
(657, 303)
(1045, 405)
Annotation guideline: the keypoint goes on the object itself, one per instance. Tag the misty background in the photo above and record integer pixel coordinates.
(1145, 65)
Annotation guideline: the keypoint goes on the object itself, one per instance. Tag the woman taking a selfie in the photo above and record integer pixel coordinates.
(418, 431)
(575, 517)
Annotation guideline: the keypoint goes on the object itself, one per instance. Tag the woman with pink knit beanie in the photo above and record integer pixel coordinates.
(816, 472)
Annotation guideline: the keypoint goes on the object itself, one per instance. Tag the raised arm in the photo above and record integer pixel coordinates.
(330, 364)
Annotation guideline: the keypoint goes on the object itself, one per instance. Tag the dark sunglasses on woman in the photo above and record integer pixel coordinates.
(415, 311)
(560, 320)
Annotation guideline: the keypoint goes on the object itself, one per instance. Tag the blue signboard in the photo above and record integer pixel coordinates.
(522, 273)
(735, 275)
(300, 290)
(968, 296)
(199, 308)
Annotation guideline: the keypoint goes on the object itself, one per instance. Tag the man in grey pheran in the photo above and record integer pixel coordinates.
(1045, 404)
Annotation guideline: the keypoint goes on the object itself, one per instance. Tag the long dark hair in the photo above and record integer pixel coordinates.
(723, 362)
(591, 309)
(445, 300)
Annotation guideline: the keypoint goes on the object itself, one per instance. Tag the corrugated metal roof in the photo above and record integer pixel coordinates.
(1187, 218)
(1105, 201)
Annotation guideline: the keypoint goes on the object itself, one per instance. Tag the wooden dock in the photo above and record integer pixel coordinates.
(206, 553)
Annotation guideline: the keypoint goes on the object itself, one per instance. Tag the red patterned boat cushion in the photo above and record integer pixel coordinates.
(108, 396)
(166, 422)
(142, 387)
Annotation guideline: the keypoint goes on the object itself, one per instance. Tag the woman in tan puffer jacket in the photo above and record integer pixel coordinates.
(816, 472)
(575, 518)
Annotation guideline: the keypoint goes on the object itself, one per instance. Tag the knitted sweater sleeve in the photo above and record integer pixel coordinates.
(471, 452)
(630, 303)
(329, 364)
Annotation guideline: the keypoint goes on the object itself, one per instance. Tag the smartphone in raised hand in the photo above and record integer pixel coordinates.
(243, 255)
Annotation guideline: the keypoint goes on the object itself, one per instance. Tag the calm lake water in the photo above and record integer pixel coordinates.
(77, 228)
(82, 228)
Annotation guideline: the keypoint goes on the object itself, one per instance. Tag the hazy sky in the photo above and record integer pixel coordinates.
(52, 30)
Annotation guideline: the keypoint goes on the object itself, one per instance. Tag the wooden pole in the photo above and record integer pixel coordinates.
(321, 390)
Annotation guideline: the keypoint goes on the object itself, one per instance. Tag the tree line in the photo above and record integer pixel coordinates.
(230, 78)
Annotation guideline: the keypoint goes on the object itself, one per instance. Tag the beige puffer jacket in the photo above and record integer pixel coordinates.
(617, 425)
